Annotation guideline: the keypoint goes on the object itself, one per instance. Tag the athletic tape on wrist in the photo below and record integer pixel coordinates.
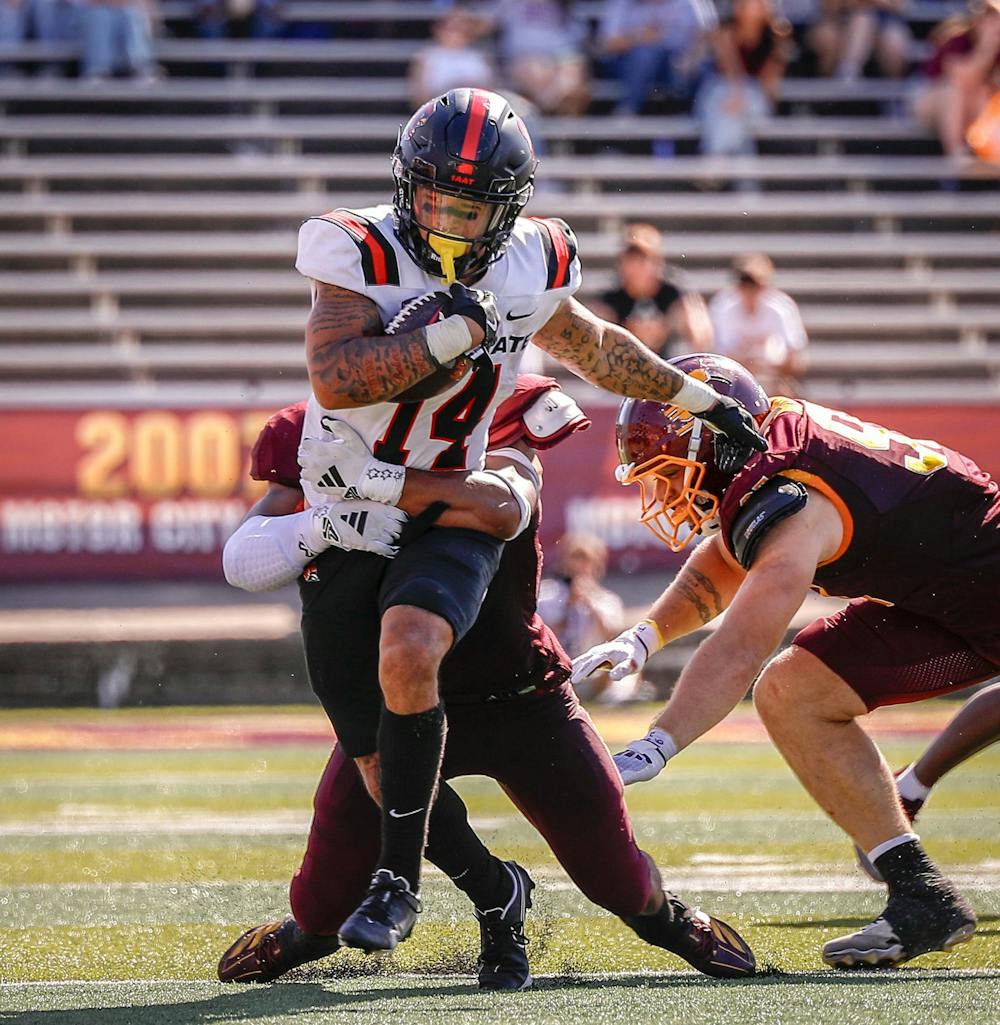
(448, 339)
(694, 396)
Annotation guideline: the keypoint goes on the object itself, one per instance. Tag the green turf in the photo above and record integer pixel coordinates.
(123, 875)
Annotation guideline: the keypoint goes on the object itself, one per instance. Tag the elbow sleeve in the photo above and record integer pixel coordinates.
(258, 555)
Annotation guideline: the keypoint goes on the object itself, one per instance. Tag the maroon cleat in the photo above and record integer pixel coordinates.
(706, 943)
(267, 951)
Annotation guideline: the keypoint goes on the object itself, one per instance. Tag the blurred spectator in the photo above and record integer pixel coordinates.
(759, 326)
(582, 612)
(656, 43)
(849, 31)
(46, 21)
(451, 60)
(650, 302)
(962, 74)
(118, 37)
(238, 19)
(542, 52)
(751, 52)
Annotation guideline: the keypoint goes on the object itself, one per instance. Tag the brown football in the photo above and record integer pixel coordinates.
(419, 312)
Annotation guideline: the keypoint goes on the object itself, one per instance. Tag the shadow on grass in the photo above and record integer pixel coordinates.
(289, 999)
(247, 1003)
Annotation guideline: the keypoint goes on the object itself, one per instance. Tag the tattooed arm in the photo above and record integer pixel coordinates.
(347, 367)
(607, 355)
(611, 357)
(702, 590)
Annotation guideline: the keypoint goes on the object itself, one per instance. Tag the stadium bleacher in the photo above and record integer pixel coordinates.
(147, 232)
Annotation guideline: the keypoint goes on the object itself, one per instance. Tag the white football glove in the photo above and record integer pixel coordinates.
(355, 526)
(621, 657)
(643, 759)
(341, 466)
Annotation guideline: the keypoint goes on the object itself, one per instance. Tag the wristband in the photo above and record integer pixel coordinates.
(694, 396)
(663, 742)
(649, 636)
(448, 339)
(381, 482)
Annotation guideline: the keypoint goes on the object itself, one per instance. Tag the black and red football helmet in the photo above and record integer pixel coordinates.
(464, 168)
(670, 454)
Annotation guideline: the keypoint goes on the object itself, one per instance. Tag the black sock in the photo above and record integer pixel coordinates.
(453, 847)
(410, 749)
(907, 867)
(663, 926)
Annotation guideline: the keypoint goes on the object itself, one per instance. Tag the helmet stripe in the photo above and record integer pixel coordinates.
(478, 109)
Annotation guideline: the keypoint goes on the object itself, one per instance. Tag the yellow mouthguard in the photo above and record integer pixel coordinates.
(449, 251)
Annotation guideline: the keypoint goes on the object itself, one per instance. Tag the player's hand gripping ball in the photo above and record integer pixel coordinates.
(419, 312)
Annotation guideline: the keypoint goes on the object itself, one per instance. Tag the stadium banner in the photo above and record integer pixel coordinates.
(153, 493)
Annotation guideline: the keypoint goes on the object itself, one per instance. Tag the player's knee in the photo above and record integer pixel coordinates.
(774, 692)
(413, 644)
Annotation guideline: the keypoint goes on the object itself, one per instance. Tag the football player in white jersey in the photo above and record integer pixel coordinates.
(463, 168)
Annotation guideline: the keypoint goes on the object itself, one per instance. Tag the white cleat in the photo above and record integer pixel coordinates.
(877, 946)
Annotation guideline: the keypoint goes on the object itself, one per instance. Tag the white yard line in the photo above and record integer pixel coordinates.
(721, 877)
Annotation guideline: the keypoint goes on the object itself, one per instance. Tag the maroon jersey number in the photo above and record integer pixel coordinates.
(923, 457)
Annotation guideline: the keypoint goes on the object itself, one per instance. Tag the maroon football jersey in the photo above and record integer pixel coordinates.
(509, 648)
(921, 522)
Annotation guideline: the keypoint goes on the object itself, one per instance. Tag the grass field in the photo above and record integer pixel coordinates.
(137, 845)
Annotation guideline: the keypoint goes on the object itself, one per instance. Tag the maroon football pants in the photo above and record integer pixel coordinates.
(544, 752)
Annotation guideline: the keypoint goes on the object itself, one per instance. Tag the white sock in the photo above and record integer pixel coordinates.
(909, 786)
(896, 841)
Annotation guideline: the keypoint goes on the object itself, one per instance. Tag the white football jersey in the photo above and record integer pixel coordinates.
(359, 250)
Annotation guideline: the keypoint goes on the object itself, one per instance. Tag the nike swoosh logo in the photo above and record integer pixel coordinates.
(521, 316)
(403, 814)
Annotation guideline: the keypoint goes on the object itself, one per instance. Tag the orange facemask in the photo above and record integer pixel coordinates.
(674, 505)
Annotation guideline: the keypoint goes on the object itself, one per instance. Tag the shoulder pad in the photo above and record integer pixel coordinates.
(552, 417)
(560, 246)
(538, 413)
(366, 253)
(778, 499)
(274, 457)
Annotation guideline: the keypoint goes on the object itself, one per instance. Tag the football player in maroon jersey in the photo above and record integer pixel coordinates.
(512, 716)
(908, 529)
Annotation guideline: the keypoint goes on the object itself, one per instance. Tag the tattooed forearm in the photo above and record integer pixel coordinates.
(708, 587)
(688, 591)
(698, 589)
(346, 367)
(607, 355)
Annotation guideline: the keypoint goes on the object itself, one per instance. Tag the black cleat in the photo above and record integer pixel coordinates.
(706, 943)
(912, 923)
(503, 960)
(385, 917)
(267, 951)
